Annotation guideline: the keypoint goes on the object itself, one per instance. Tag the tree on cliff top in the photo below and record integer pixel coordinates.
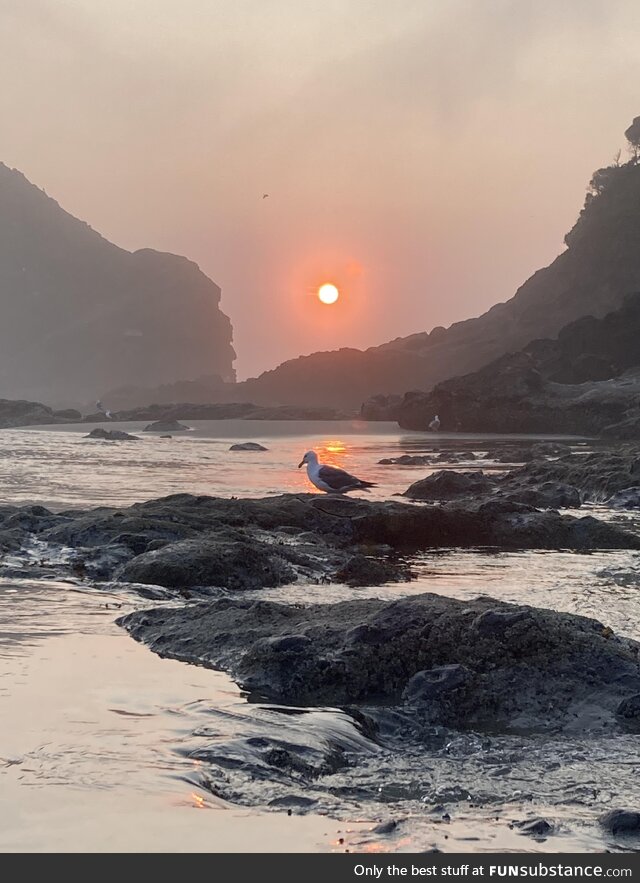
(633, 137)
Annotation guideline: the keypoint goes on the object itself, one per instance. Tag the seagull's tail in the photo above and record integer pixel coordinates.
(365, 485)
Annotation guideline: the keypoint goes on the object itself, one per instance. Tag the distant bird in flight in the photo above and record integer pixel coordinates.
(434, 426)
(330, 479)
(265, 195)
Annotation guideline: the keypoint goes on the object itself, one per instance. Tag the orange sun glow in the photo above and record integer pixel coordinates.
(328, 293)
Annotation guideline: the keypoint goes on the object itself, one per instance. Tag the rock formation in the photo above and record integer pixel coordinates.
(80, 315)
(585, 381)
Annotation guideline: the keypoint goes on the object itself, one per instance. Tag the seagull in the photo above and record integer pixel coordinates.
(332, 480)
(434, 426)
(265, 195)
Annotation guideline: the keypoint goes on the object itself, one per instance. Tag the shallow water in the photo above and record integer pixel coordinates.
(59, 467)
(110, 747)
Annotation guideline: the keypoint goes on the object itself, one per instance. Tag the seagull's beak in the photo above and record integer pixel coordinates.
(301, 463)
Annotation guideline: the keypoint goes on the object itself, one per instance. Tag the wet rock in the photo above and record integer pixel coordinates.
(136, 543)
(315, 535)
(248, 446)
(433, 683)
(549, 449)
(381, 407)
(361, 570)
(385, 827)
(165, 426)
(629, 709)
(367, 634)
(448, 485)
(629, 498)
(539, 671)
(621, 821)
(627, 428)
(596, 476)
(289, 644)
(510, 454)
(111, 435)
(293, 801)
(230, 561)
(496, 622)
(407, 460)
(535, 827)
(549, 495)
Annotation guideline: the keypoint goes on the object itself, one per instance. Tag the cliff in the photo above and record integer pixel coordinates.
(599, 267)
(80, 315)
(585, 381)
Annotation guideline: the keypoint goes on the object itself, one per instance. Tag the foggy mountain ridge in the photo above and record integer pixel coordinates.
(81, 315)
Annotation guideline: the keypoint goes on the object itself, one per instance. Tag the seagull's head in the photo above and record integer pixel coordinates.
(309, 457)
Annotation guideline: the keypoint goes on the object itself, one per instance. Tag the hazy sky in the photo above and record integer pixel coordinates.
(425, 155)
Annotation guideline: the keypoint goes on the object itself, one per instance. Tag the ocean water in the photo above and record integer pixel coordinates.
(105, 745)
(59, 467)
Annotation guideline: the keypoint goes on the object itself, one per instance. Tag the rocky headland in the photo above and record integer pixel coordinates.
(82, 315)
(584, 382)
(22, 413)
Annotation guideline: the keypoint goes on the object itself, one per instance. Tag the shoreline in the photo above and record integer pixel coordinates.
(119, 701)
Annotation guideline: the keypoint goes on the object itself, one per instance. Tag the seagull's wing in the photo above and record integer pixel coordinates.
(336, 478)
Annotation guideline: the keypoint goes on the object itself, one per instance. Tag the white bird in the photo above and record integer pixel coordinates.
(107, 414)
(330, 479)
(434, 426)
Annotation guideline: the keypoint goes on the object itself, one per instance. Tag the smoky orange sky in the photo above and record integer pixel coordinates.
(424, 155)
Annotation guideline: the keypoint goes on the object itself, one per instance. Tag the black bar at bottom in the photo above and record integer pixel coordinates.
(336, 868)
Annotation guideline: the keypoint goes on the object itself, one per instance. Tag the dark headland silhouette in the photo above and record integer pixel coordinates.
(80, 315)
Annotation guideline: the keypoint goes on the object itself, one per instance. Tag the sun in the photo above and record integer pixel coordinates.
(328, 293)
